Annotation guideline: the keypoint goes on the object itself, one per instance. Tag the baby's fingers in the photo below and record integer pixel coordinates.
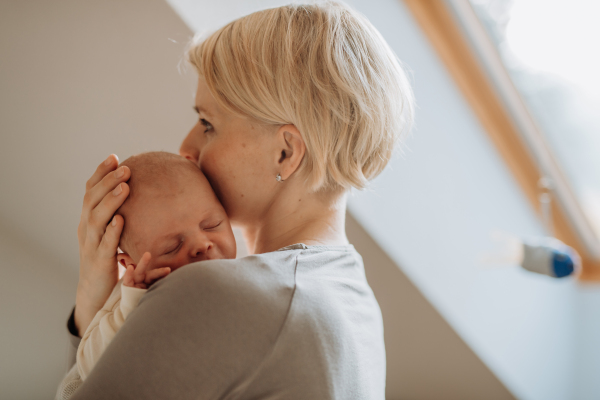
(128, 276)
(157, 274)
(142, 267)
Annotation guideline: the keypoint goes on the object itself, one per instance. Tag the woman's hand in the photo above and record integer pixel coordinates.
(139, 276)
(105, 191)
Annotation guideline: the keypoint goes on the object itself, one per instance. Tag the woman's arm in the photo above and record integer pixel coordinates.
(106, 190)
(96, 338)
(105, 325)
(123, 300)
(69, 385)
(198, 334)
(98, 243)
(72, 380)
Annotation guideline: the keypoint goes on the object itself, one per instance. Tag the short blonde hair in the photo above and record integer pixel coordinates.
(323, 68)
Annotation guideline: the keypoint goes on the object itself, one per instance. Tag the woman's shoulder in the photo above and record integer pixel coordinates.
(216, 320)
(261, 270)
(263, 281)
(275, 268)
(233, 286)
(230, 305)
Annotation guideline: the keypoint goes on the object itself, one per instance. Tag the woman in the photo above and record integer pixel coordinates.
(296, 105)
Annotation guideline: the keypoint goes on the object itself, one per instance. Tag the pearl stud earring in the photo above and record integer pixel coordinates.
(278, 178)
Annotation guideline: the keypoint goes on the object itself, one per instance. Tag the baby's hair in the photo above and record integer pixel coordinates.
(153, 173)
(156, 170)
(322, 67)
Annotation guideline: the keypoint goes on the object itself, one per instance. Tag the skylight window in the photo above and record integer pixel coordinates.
(550, 50)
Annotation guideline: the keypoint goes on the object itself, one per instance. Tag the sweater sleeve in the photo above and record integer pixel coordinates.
(200, 333)
(105, 325)
(96, 338)
(71, 380)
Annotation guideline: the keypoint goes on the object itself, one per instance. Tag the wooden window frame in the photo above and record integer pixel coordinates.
(475, 65)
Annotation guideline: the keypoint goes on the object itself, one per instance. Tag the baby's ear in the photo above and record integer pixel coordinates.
(125, 260)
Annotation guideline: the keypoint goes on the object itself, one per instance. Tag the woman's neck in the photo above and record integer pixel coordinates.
(312, 219)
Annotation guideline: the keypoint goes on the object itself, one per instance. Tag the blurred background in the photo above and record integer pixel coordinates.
(80, 80)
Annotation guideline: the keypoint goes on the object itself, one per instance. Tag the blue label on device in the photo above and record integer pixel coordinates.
(562, 264)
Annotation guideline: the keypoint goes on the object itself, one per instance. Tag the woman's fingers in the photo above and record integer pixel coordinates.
(103, 213)
(110, 164)
(94, 196)
(156, 274)
(100, 203)
(98, 272)
(109, 243)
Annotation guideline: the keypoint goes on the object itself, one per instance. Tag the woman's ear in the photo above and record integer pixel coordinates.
(292, 149)
(125, 260)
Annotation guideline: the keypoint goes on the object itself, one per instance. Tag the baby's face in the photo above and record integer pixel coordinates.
(184, 225)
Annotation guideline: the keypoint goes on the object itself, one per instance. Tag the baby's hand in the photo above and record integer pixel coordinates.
(139, 277)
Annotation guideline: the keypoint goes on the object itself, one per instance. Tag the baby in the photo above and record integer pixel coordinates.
(172, 218)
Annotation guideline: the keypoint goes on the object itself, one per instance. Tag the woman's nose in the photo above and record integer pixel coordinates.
(190, 148)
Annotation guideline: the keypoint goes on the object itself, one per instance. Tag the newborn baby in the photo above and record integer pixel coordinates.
(172, 218)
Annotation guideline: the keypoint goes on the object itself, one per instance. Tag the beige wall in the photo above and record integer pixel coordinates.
(78, 80)
(36, 295)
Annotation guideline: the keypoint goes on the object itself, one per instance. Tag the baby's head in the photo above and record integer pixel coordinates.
(173, 213)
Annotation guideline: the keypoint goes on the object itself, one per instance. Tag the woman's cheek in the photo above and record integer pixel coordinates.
(209, 169)
(220, 169)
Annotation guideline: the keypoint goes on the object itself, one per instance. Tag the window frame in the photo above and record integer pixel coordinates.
(463, 45)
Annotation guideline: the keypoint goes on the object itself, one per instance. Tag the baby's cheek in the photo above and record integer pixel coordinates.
(164, 263)
(231, 251)
(178, 263)
(227, 246)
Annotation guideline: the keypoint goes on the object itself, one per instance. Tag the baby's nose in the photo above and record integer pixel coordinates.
(201, 250)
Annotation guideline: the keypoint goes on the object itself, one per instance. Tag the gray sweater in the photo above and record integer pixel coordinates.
(297, 323)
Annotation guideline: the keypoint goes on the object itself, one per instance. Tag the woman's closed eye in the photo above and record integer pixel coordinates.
(207, 125)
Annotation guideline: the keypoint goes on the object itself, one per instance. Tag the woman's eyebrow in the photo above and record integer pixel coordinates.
(198, 109)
